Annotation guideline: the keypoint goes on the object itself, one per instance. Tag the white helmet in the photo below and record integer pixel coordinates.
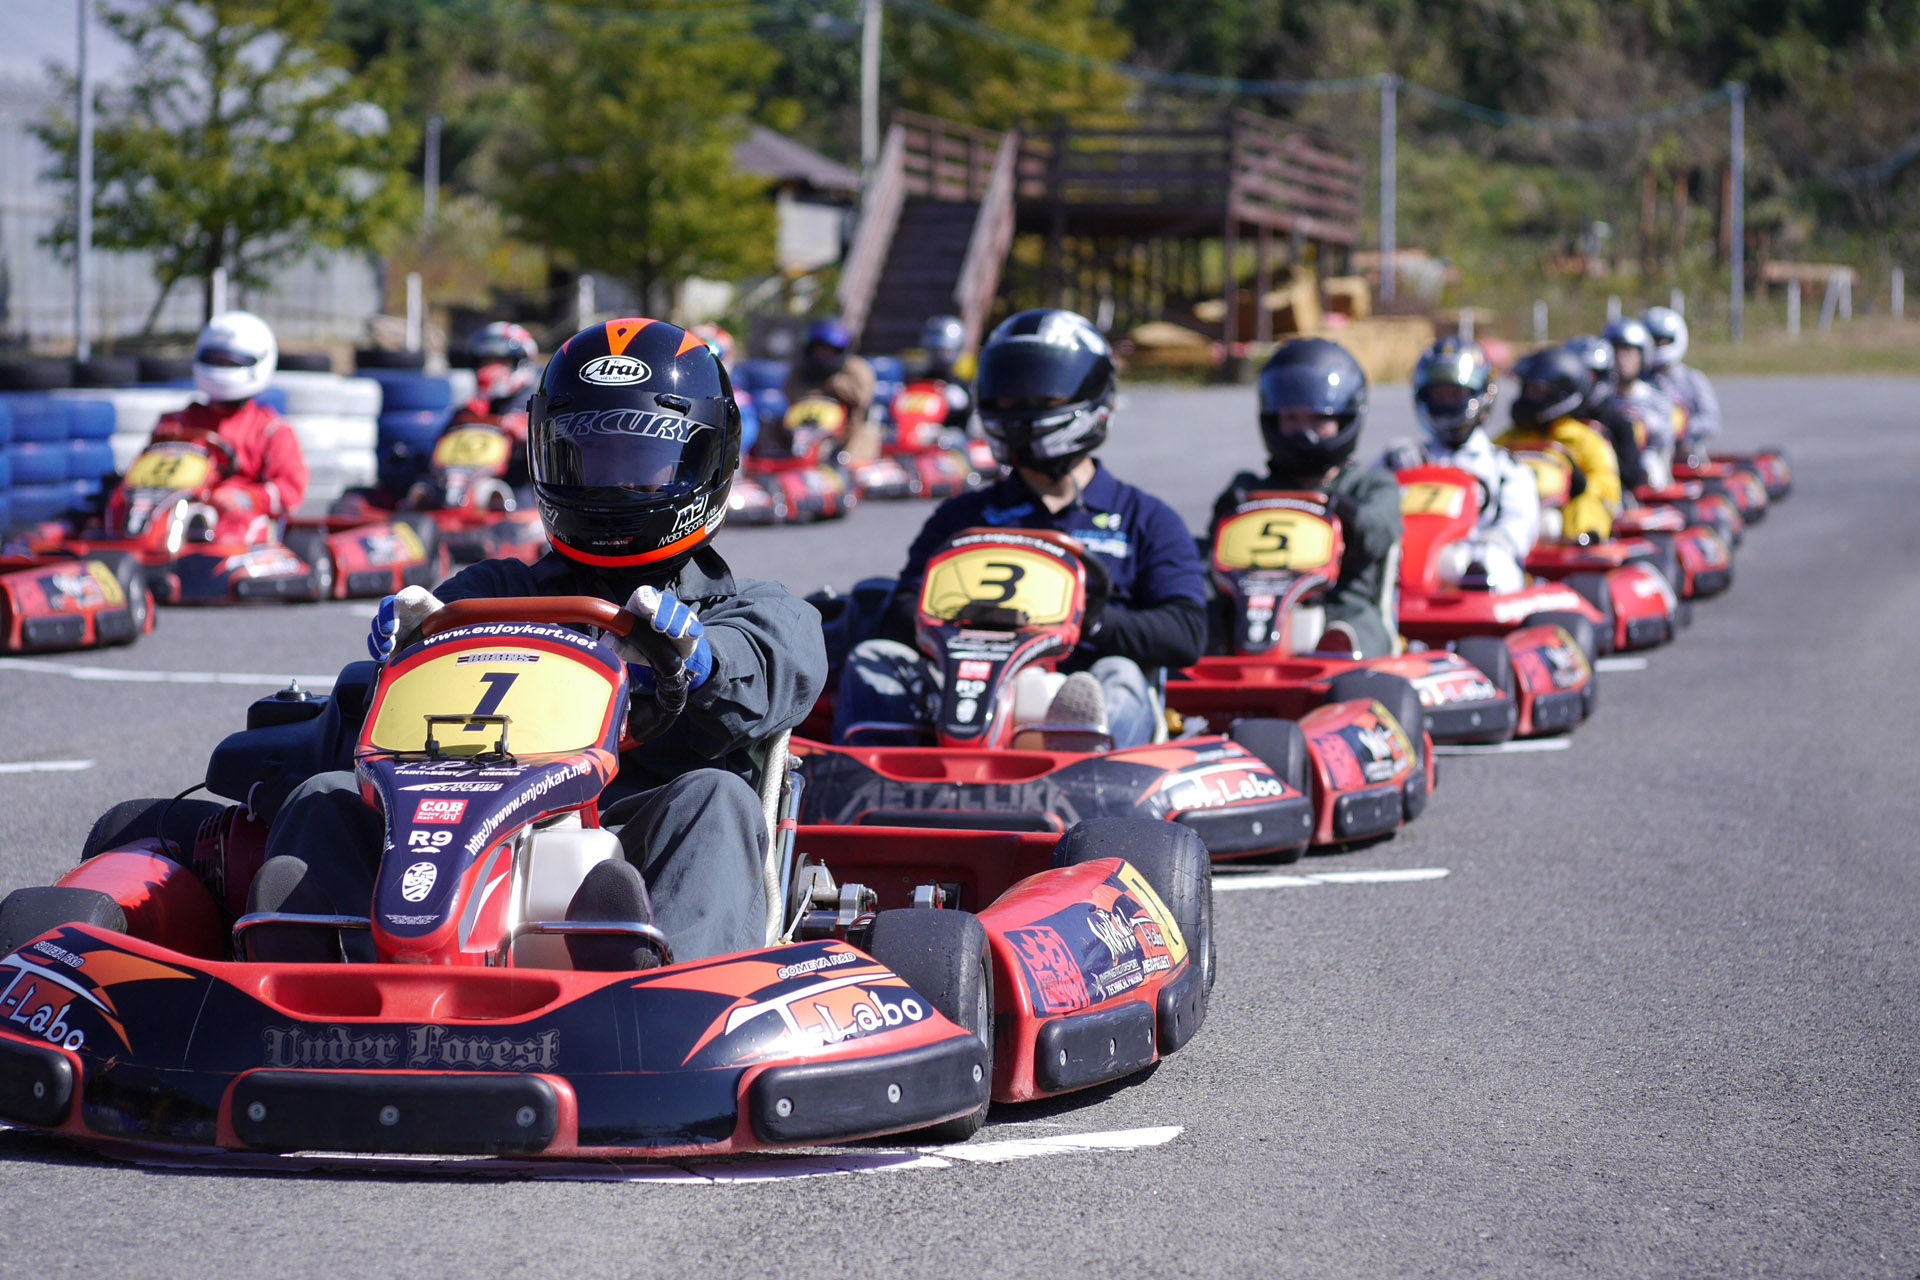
(235, 357)
(1669, 330)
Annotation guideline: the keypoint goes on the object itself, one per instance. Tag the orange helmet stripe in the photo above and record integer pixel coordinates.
(688, 343)
(621, 332)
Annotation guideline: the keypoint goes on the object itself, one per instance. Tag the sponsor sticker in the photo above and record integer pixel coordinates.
(615, 371)
(445, 811)
(417, 882)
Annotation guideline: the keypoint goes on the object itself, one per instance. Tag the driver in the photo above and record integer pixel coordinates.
(1453, 394)
(1680, 382)
(1640, 400)
(828, 368)
(1046, 389)
(267, 477)
(631, 476)
(506, 361)
(1554, 383)
(1313, 404)
(944, 339)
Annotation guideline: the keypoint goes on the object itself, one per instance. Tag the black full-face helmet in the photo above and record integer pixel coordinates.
(1320, 378)
(1453, 390)
(1553, 384)
(1045, 390)
(1597, 354)
(633, 437)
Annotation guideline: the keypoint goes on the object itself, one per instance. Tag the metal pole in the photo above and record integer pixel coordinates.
(1389, 196)
(219, 290)
(83, 196)
(430, 176)
(1899, 283)
(415, 309)
(869, 88)
(583, 303)
(1466, 324)
(1793, 308)
(1613, 307)
(1540, 320)
(1677, 302)
(1737, 272)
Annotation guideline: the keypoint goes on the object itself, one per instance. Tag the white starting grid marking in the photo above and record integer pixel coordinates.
(1229, 882)
(1519, 746)
(1620, 664)
(711, 1172)
(46, 766)
(135, 675)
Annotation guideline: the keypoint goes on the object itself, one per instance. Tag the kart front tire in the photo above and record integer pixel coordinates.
(1598, 592)
(1577, 625)
(944, 957)
(27, 913)
(1282, 744)
(1173, 859)
(1402, 701)
(311, 546)
(1495, 661)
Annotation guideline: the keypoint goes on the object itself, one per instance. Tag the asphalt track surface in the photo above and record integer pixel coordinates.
(1658, 1018)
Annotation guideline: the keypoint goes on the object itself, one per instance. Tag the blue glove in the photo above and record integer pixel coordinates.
(399, 615)
(671, 617)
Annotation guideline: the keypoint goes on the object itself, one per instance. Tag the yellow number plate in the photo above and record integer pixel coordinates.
(816, 411)
(556, 704)
(1275, 538)
(480, 447)
(1031, 581)
(1554, 475)
(164, 468)
(1429, 498)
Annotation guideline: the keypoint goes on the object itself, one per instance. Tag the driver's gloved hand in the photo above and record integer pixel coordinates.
(400, 615)
(1344, 509)
(673, 618)
(1099, 593)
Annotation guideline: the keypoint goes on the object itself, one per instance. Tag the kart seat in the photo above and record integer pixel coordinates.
(262, 764)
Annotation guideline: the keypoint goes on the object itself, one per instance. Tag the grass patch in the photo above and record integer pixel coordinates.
(1877, 345)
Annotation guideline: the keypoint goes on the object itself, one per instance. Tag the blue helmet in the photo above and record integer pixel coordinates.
(829, 333)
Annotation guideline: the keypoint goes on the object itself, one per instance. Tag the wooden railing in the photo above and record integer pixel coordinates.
(945, 160)
(1287, 179)
(992, 238)
(872, 239)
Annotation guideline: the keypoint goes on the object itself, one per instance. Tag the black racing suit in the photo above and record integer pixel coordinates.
(692, 821)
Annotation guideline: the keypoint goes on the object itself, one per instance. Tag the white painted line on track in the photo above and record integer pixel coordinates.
(1059, 1144)
(1519, 746)
(135, 675)
(1620, 664)
(1228, 882)
(46, 766)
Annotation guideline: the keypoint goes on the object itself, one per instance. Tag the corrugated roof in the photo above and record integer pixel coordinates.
(767, 154)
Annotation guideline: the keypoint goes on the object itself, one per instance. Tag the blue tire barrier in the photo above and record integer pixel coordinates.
(38, 461)
(34, 503)
(6, 422)
(83, 494)
(754, 376)
(89, 459)
(402, 392)
(39, 418)
(91, 420)
(6, 511)
(6, 469)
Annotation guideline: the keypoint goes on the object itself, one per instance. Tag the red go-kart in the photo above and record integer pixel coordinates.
(162, 517)
(793, 475)
(1272, 561)
(51, 603)
(465, 493)
(489, 1001)
(923, 441)
(999, 610)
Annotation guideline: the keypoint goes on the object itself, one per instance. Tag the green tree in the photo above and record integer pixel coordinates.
(241, 140)
(623, 159)
(1043, 63)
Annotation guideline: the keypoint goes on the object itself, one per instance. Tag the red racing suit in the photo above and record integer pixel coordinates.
(269, 476)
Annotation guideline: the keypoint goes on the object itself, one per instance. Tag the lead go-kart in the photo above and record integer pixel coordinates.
(465, 493)
(162, 516)
(1272, 561)
(998, 611)
(908, 978)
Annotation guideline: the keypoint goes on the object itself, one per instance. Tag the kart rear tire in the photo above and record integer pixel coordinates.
(141, 819)
(311, 546)
(1596, 591)
(1174, 861)
(133, 580)
(1666, 560)
(1283, 745)
(1402, 701)
(1494, 661)
(1577, 625)
(25, 914)
(944, 956)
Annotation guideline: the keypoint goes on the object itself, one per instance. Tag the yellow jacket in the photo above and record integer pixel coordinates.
(1591, 512)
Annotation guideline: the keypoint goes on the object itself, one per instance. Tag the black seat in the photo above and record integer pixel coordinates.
(260, 767)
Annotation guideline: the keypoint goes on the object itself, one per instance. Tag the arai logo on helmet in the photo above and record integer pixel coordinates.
(418, 880)
(615, 371)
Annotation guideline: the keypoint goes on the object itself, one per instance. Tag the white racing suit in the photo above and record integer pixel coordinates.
(1509, 521)
(1655, 411)
(1689, 388)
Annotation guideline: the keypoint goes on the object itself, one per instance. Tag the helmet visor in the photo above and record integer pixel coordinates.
(1027, 379)
(620, 447)
(219, 356)
(1326, 393)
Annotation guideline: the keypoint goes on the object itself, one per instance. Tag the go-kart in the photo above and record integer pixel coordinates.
(927, 439)
(465, 493)
(793, 475)
(162, 515)
(1745, 487)
(492, 1000)
(51, 603)
(999, 610)
(1770, 465)
(1271, 563)
(1691, 555)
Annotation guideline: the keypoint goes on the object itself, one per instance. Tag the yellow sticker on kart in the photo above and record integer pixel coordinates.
(179, 467)
(817, 411)
(554, 703)
(481, 448)
(1039, 585)
(1274, 538)
(1150, 901)
(1552, 473)
(1432, 498)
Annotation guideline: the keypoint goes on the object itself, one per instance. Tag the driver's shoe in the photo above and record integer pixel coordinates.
(1077, 716)
(614, 893)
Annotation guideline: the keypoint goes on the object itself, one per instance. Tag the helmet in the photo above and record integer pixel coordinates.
(632, 439)
(1321, 378)
(505, 355)
(1629, 332)
(1597, 355)
(1669, 330)
(943, 337)
(1453, 389)
(235, 357)
(718, 339)
(1045, 390)
(829, 333)
(1553, 383)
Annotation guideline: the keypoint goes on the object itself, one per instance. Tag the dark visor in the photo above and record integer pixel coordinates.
(612, 446)
(225, 358)
(1035, 375)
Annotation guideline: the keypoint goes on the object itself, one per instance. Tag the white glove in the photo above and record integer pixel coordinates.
(400, 615)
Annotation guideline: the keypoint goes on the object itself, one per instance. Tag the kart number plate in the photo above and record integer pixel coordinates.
(1274, 539)
(1431, 498)
(480, 448)
(177, 467)
(1038, 585)
(819, 413)
(554, 704)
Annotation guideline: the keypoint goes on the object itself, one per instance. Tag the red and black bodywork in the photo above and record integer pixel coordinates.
(59, 602)
(1743, 485)
(1000, 607)
(923, 436)
(130, 1015)
(466, 493)
(794, 476)
(1629, 607)
(162, 518)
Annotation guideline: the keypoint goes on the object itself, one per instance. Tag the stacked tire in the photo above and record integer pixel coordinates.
(414, 408)
(337, 420)
(55, 450)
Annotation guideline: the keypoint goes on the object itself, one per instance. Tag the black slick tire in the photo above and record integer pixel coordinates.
(1490, 655)
(943, 955)
(1595, 590)
(1172, 858)
(27, 913)
(132, 820)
